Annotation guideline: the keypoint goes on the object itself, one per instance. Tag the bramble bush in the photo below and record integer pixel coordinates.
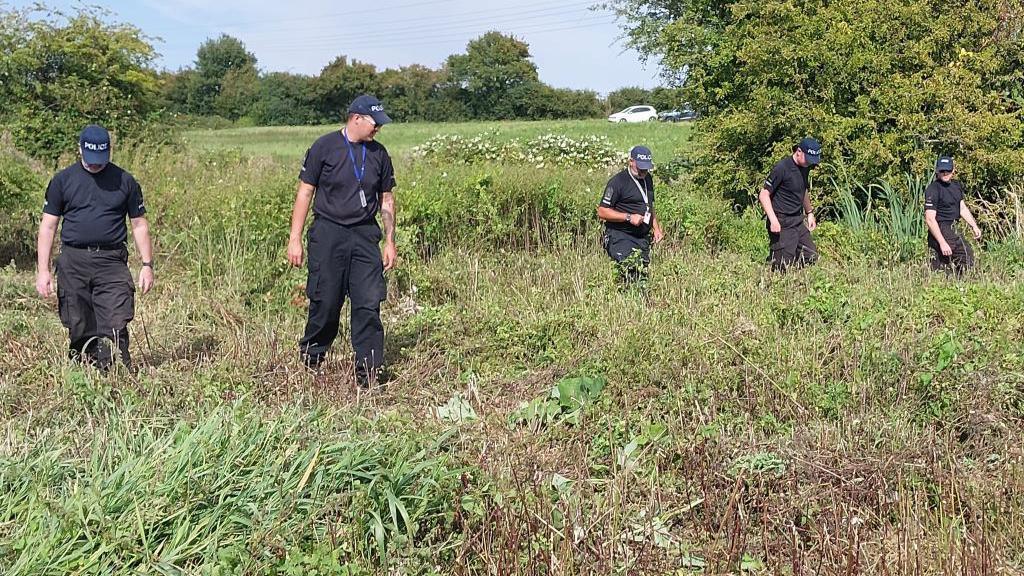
(63, 72)
(885, 87)
(20, 198)
(542, 151)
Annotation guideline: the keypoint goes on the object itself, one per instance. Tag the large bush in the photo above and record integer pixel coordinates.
(886, 87)
(21, 195)
(59, 73)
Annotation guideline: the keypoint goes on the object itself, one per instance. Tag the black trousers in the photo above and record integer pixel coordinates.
(792, 245)
(96, 301)
(345, 261)
(962, 257)
(621, 247)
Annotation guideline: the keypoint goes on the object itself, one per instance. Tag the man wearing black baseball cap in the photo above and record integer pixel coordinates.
(95, 290)
(943, 205)
(785, 197)
(348, 178)
(631, 223)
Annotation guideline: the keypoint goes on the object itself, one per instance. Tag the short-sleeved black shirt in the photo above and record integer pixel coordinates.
(94, 206)
(623, 193)
(944, 198)
(329, 167)
(788, 184)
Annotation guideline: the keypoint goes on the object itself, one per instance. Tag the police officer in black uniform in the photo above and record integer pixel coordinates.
(785, 197)
(943, 205)
(95, 291)
(631, 223)
(349, 178)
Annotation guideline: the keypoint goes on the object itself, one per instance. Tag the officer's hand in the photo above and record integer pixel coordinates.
(977, 233)
(658, 235)
(946, 250)
(389, 256)
(146, 279)
(44, 283)
(295, 252)
(635, 219)
(775, 227)
(812, 222)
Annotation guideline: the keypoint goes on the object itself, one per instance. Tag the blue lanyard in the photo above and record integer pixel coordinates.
(359, 172)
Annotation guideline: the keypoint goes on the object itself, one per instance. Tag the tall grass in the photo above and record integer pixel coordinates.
(232, 490)
(894, 212)
(859, 417)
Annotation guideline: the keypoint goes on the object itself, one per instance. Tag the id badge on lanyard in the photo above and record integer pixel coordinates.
(643, 194)
(359, 172)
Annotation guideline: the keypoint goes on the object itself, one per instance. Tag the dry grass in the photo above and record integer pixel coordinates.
(846, 419)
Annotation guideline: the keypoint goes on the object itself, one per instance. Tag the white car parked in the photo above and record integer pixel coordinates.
(635, 114)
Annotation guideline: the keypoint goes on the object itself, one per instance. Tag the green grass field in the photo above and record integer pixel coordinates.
(860, 417)
(290, 143)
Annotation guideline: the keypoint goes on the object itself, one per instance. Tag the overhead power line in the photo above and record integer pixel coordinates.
(358, 47)
(319, 20)
(515, 25)
(442, 22)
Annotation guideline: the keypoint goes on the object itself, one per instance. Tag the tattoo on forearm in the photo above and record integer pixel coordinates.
(389, 223)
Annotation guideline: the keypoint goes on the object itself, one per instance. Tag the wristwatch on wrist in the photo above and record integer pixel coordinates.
(150, 263)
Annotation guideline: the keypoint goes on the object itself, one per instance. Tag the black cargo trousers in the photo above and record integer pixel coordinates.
(96, 301)
(345, 260)
(962, 258)
(792, 245)
(621, 247)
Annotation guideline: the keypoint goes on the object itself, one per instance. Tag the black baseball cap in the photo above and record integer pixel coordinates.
(369, 106)
(812, 150)
(945, 164)
(95, 144)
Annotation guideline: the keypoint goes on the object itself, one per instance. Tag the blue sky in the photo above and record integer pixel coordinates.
(572, 45)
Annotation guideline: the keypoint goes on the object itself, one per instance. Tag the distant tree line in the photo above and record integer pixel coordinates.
(59, 71)
(495, 79)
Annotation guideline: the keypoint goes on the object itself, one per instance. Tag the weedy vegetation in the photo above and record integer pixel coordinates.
(863, 416)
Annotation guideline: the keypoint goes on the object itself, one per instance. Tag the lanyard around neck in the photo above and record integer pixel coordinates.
(642, 189)
(359, 172)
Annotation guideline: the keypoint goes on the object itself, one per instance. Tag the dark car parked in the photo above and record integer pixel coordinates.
(677, 115)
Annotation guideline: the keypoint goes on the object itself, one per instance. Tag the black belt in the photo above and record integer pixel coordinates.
(94, 247)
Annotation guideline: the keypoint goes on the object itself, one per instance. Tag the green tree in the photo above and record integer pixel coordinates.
(629, 96)
(59, 72)
(285, 100)
(542, 102)
(568, 103)
(886, 87)
(449, 103)
(410, 92)
(215, 60)
(238, 92)
(664, 99)
(176, 91)
(493, 68)
(339, 83)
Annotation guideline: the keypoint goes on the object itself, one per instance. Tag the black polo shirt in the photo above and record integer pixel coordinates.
(787, 184)
(623, 193)
(94, 206)
(944, 198)
(328, 166)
